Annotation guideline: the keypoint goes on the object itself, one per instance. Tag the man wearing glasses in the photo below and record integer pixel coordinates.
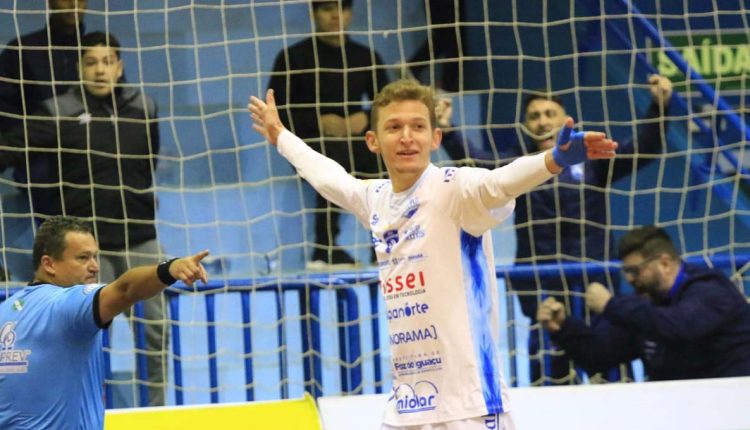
(684, 321)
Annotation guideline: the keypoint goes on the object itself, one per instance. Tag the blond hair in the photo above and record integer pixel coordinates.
(403, 90)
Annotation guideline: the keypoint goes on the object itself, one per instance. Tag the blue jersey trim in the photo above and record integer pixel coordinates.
(478, 297)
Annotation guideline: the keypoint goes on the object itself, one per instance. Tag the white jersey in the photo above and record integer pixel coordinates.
(437, 277)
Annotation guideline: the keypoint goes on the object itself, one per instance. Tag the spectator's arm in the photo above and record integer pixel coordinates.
(39, 133)
(702, 309)
(599, 347)
(653, 126)
(10, 92)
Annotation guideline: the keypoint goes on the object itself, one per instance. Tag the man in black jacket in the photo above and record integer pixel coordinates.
(320, 84)
(565, 219)
(684, 321)
(105, 140)
(35, 68)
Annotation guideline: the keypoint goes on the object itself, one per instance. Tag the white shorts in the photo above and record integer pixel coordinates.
(487, 422)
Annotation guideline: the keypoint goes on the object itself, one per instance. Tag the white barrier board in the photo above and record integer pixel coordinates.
(706, 404)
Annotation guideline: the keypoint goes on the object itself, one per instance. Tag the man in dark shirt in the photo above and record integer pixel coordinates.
(684, 321)
(106, 139)
(34, 68)
(320, 85)
(561, 221)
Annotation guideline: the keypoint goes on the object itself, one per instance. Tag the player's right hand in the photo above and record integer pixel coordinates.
(265, 116)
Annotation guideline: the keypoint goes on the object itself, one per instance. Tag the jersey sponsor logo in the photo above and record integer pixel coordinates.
(411, 208)
(449, 174)
(421, 365)
(409, 281)
(421, 397)
(391, 239)
(12, 360)
(416, 335)
(416, 257)
(413, 233)
(407, 311)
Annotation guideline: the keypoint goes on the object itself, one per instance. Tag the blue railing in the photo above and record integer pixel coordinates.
(308, 289)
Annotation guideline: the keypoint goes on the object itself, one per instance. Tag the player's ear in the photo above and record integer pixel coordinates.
(372, 142)
(47, 264)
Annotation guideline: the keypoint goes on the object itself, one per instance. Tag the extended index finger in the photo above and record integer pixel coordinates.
(200, 256)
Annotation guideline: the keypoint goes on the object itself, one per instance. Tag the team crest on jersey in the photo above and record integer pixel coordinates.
(12, 360)
(18, 305)
(374, 219)
(449, 174)
(391, 239)
(411, 208)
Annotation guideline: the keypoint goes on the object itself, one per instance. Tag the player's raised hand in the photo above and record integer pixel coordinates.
(189, 269)
(574, 147)
(265, 117)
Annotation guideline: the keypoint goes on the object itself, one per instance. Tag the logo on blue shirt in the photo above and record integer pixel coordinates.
(12, 360)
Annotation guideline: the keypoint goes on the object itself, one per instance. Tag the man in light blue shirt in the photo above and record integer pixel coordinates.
(51, 372)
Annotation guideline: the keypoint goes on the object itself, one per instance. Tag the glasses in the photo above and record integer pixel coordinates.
(635, 269)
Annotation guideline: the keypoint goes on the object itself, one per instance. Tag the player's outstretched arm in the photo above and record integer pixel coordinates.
(140, 283)
(574, 147)
(265, 116)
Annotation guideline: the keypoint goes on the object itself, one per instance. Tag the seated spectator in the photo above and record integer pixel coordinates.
(684, 321)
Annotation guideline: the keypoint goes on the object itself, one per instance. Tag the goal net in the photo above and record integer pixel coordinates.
(268, 326)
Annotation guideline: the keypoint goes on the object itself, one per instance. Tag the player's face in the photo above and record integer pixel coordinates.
(544, 118)
(643, 275)
(404, 138)
(68, 12)
(101, 68)
(78, 264)
(330, 19)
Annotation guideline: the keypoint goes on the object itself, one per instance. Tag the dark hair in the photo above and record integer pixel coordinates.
(401, 90)
(649, 241)
(100, 38)
(540, 95)
(317, 4)
(50, 238)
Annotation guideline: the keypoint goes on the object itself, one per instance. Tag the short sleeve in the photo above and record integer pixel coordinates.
(76, 309)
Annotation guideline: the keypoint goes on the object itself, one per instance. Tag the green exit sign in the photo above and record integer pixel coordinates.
(722, 59)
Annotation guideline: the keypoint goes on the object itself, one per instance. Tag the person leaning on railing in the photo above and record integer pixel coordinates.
(684, 321)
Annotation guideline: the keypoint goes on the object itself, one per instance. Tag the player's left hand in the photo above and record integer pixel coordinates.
(574, 147)
(597, 297)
